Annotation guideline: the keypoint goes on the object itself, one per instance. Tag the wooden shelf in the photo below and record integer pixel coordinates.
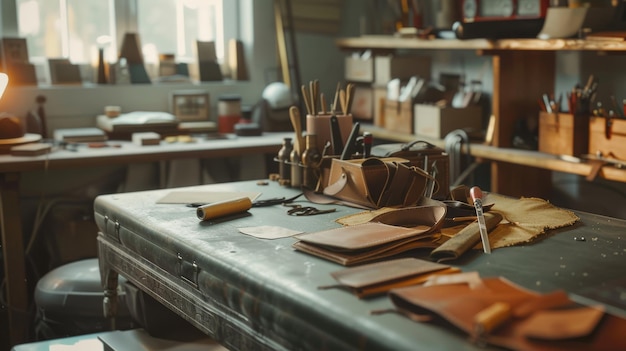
(387, 42)
(520, 157)
(530, 63)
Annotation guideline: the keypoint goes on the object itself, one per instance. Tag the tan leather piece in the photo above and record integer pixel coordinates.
(368, 241)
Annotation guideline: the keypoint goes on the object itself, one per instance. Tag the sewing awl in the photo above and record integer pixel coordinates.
(476, 194)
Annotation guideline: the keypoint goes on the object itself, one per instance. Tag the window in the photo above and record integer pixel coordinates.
(76, 29)
(186, 21)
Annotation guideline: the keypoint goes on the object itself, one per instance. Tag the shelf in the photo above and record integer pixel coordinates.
(388, 42)
(531, 65)
(520, 157)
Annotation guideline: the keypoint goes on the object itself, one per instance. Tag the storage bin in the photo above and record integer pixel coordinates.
(435, 122)
(607, 137)
(563, 133)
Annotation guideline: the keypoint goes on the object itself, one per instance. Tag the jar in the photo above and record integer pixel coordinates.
(228, 113)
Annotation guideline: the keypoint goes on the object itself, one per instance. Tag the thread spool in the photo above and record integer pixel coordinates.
(223, 208)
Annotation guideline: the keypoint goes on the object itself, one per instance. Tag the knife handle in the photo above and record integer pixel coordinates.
(335, 132)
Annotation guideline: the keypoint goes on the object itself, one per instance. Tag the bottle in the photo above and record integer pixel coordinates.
(284, 154)
(296, 170)
(311, 158)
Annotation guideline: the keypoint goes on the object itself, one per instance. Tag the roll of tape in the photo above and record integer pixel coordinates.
(223, 208)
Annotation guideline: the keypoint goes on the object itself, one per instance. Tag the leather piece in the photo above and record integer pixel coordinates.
(423, 155)
(568, 327)
(377, 278)
(376, 182)
(374, 240)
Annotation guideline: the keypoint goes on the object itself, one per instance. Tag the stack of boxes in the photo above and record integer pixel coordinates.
(372, 74)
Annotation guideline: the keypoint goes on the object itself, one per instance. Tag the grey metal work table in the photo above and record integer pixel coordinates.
(250, 293)
(125, 152)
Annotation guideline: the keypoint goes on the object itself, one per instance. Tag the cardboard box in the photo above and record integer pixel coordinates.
(435, 122)
(607, 137)
(362, 102)
(399, 116)
(388, 67)
(359, 69)
(563, 134)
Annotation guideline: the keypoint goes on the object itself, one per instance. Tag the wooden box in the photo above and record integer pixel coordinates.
(607, 137)
(563, 133)
(435, 122)
(399, 116)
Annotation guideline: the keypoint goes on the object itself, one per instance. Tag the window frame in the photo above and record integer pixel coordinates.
(125, 19)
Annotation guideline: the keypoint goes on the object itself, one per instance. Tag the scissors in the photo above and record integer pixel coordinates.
(274, 201)
(299, 210)
(258, 203)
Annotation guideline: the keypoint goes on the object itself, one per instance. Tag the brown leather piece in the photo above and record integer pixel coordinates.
(376, 182)
(542, 323)
(377, 278)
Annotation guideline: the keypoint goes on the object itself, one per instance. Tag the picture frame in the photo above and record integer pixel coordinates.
(191, 105)
(14, 51)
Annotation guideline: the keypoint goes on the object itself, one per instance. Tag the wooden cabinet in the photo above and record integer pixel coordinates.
(523, 70)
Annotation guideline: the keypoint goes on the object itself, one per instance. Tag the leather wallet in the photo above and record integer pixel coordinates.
(385, 235)
(378, 278)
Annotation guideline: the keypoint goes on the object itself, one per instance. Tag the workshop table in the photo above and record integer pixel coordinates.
(124, 152)
(259, 294)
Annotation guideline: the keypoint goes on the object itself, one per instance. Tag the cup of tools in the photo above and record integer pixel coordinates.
(330, 128)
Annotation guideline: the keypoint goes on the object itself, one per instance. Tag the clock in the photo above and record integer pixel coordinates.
(494, 10)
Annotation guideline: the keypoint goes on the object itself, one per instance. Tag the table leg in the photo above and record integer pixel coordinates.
(109, 282)
(14, 258)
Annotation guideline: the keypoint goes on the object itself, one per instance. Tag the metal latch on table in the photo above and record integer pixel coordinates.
(187, 271)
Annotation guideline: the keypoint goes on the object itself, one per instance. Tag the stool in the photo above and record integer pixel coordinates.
(69, 302)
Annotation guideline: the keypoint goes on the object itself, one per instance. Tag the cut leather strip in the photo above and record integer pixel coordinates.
(379, 272)
(378, 278)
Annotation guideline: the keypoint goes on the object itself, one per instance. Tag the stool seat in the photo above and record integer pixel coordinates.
(69, 301)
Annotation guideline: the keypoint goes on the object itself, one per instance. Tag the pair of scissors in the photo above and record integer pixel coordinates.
(274, 201)
(299, 210)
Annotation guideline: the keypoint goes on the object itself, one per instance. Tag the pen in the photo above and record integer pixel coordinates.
(477, 195)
